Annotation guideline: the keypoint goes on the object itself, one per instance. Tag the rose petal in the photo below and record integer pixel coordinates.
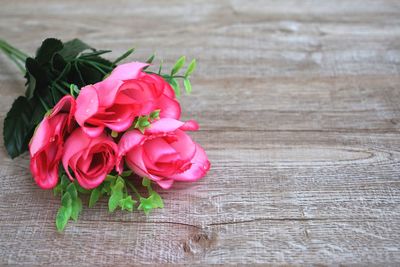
(87, 104)
(200, 166)
(127, 71)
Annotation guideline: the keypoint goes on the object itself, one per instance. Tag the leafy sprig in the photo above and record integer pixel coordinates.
(119, 189)
(173, 77)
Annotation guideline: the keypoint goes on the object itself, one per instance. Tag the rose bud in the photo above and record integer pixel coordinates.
(90, 159)
(164, 153)
(46, 146)
(127, 93)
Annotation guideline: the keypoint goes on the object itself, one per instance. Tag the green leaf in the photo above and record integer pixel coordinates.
(114, 200)
(126, 173)
(188, 85)
(146, 204)
(178, 65)
(72, 49)
(160, 67)
(175, 85)
(80, 189)
(155, 114)
(71, 189)
(123, 56)
(150, 59)
(17, 127)
(76, 208)
(157, 201)
(63, 215)
(191, 67)
(127, 203)
(66, 200)
(49, 47)
(116, 194)
(37, 80)
(94, 196)
(73, 89)
(65, 211)
(110, 177)
(142, 123)
(64, 181)
(146, 182)
(30, 84)
(57, 190)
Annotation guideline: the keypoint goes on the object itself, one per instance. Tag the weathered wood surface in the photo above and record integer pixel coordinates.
(299, 107)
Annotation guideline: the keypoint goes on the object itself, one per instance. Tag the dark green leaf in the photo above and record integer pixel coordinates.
(178, 65)
(149, 60)
(58, 63)
(37, 79)
(72, 49)
(94, 196)
(123, 56)
(30, 85)
(191, 68)
(17, 127)
(49, 47)
(38, 112)
(188, 85)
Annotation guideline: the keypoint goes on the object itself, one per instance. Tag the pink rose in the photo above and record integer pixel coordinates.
(46, 146)
(164, 153)
(127, 93)
(90, 159)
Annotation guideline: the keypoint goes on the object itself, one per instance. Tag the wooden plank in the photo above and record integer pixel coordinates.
(298, 104)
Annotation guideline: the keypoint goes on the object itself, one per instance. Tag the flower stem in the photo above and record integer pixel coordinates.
(133, 189)
(44, 104)
(17, 56)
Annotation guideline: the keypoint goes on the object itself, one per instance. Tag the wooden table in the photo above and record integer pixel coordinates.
(298, 103)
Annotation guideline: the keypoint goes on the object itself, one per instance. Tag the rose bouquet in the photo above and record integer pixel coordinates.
(94, 127)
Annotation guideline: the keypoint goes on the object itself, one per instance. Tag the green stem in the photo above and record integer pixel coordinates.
(96, 67)
(43, 104)
(95, 63)
(133, 189)
(59, 88)
(17, 63)
(14, 54)
(18, 53)
(167, 75)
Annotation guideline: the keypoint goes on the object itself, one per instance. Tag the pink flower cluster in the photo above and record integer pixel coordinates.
(77, 134)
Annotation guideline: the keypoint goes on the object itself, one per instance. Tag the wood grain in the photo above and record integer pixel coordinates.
(298, 103)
